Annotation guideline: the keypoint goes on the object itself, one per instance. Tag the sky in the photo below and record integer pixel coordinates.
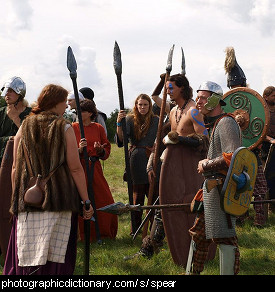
(35, 36)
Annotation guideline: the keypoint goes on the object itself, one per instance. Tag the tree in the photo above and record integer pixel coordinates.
(111, 124)
(2, 101)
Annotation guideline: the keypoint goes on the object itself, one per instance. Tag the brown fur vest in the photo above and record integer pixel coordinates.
(44, 137)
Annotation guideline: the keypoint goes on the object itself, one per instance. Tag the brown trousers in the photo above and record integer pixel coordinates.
(197, 233)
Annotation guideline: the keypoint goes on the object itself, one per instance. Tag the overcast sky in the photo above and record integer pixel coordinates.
(35, 35)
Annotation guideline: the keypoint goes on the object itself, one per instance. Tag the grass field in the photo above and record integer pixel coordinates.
(256, 245)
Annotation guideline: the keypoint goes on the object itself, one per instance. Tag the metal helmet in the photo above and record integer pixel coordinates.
(216, 96)
(235, 74)
(16, 84)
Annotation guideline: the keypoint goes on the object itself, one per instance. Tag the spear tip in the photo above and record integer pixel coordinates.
(117, 59)
(183, 71)
(169, 61)
(71, 62)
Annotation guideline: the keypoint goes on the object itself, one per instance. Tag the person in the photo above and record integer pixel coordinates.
(152, 243)
(237, 78)
(11, 116)
(186, 144)
(101, 117)
(71, 114)
(213, 224)
(98, 148)
(142, 126)
(43, 241)
(269, 96)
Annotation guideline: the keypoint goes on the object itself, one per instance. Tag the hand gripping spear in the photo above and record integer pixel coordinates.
(158, 138)
(72, 66)
(118, 71)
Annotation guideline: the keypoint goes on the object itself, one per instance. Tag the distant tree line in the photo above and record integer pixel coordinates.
(111, 124)
(2, 101)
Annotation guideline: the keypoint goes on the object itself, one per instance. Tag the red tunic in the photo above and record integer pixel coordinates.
(108, 223)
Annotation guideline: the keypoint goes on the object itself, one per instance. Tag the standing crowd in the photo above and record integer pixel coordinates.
(42, 146)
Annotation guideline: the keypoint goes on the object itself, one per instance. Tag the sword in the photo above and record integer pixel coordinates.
(158, 138)
(118, 71)
(144, 220)
(268, 157)
(119, 208)
(72, 67)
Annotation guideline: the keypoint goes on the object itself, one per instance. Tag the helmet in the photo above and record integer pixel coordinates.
(235, 74)
(216, 97)
(236, 77)
(16, 84)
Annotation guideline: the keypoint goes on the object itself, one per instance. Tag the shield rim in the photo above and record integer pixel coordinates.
(229, 176)
(266, 111)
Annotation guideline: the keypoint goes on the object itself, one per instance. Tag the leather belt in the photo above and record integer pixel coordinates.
(213, 182)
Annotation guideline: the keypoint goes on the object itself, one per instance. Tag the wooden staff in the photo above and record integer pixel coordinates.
(158, 138)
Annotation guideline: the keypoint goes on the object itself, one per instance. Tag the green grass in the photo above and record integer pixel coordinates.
(256, 245)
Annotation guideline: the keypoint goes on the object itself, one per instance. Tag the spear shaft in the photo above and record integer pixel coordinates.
(158, 138)
(72, 66)
(118, 71)
(120, 208)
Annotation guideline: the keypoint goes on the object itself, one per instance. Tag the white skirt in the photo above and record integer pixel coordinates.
(42, 237)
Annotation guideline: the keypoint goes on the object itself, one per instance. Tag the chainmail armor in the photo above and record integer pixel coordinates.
(226, 138)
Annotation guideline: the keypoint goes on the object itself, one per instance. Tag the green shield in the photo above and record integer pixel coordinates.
(251, 112)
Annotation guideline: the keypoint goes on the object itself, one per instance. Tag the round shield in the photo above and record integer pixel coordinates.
(251, 113)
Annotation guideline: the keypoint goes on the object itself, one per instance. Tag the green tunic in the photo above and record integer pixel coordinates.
(8, 127)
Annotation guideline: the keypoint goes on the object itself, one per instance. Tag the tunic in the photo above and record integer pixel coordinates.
(8, 127)
(138, 157)
(226, 138)
(108, 223)
(179, 182)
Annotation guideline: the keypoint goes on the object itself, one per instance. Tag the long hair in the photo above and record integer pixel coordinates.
(182, 82)
(50, 96)
(142, 122)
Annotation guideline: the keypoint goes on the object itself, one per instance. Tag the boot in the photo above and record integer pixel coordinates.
(227, 259)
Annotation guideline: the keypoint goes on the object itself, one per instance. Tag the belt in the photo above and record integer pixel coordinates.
(213, 182)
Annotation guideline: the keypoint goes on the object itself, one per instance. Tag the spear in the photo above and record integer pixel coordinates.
(183, 71)
(118, 71)
(158, 138)
(72, 66)
(120, 208)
